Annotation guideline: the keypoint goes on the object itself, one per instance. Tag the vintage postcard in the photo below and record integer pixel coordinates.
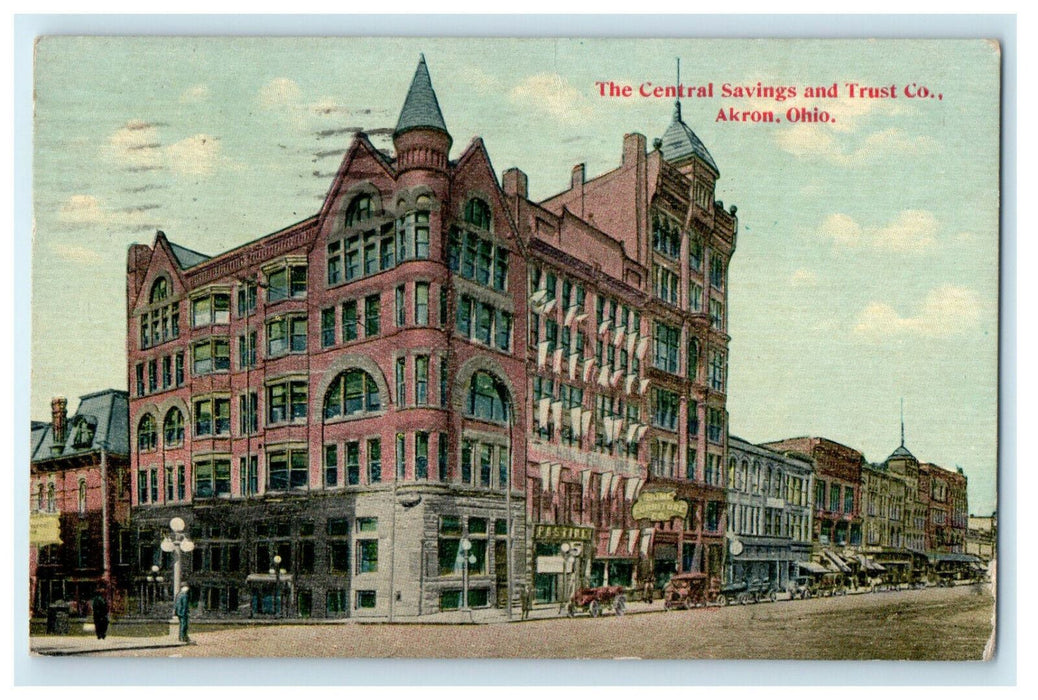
(531, 348)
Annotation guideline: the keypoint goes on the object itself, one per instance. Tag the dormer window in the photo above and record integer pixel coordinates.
(477, 213)
(360, 210)
(83, 435)
(159, 291)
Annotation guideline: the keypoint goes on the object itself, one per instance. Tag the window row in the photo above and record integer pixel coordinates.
(484, 323)
(476, 258)
(159, 374)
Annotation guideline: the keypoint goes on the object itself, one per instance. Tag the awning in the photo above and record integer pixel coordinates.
(837, 561)
(869, 564)
(813, 568)
(955, 557)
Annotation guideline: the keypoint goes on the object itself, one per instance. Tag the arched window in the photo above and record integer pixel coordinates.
(50, 498)
(477, 213)
(82, 496)
(39, 498)
(159, 290)
(731, 473)
(360, 209)
(486, 398)
(353, 392)
(173, 428)
(693, 358)
(147, 439)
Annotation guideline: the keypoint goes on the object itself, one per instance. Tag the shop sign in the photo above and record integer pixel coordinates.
(659, 506)
(554, 565)
(542, 531)
(44, 529)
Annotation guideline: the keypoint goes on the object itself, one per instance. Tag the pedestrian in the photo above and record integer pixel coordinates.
(99, 607)
(647, 593)
(181, 609)
(525, 601)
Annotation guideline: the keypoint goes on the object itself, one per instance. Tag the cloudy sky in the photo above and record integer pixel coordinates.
(866, 267)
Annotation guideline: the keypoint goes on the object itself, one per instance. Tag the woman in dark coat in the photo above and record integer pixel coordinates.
(99, 605)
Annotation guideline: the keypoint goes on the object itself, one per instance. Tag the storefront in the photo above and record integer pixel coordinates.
(562, 556)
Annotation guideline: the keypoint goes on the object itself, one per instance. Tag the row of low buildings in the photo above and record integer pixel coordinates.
(436, 389)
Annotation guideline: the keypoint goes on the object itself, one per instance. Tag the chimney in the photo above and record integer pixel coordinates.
(576, 184)
(515, 183)
(59, 419)
(634, 148)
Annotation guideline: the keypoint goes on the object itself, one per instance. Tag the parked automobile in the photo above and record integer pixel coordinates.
(685, 591)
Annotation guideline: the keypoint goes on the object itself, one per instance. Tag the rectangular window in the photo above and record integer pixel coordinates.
(327, 327)
(717, 314)
(551, 334)
(331, 465)
(352, 256)
(421, 304)
(353, 463)
(715, 425)
(370, 253)
(334, 262)
(247, 350)
(349, 321)
(421, 235)
(421, 455)
(667, 340)
(834, 498)
(421, 380)
(716, 270)
(374, 461)
(167, 372)
(441, 442)
(366, 599)
(502, 468)
(287, 469)
(503, 330)
(401, 464)
(464, 315)
(848, 499)
(501, 269)
(717, 370)
(371, 316)
(140, 379)
(486, 461)
(665, 409)
(466, 462)
(695, 297)
(286, 401)
(388, 247)
(212, 478)
(400, 316)
(153, 376)
(178, 366)
(367, 560)
(443, 381)
(247, 414)
(401, 381)
(248, 475)
(695, 253)
(484, 322)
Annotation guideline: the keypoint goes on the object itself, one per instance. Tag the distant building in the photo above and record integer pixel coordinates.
(837, 485)
(769, 513)
(982, 536)
(80, 503)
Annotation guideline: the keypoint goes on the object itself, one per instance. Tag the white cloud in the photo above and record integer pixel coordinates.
(946, 311)
(139, 146)
(911, 230)
(77, 255)
(195, 155)
(279, 92)
(86, 210)
(195, 93)
(803, 278)
(136, 144)
(551, 93)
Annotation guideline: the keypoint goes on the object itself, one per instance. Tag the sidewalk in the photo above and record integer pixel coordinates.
(70, 645)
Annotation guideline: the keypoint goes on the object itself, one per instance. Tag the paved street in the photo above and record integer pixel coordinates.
(936, 623)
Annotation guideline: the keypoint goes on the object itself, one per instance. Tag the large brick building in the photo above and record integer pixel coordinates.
(627, 357)
(79, 510)
(352, 393)
(343, 394)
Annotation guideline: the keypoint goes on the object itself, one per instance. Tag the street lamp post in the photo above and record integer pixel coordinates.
(570, 553)
(154, 577)
(277, 571)
(177, 541)
(466, 559)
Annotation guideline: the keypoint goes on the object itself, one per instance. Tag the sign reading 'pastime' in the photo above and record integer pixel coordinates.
(659, 506)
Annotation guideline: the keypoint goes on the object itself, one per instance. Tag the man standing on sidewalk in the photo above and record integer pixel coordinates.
(525, 601)
(181, 608)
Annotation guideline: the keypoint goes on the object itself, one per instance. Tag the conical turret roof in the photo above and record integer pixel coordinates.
(680, 142)
(421, 109)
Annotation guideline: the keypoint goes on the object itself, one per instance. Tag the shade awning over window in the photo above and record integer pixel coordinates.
(812, 567)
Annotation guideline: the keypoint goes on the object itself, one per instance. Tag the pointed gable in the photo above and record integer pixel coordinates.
(421, 109)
